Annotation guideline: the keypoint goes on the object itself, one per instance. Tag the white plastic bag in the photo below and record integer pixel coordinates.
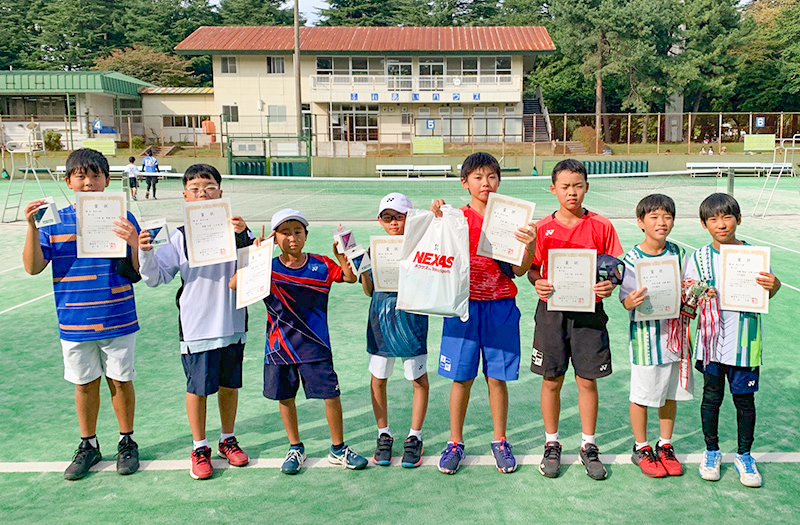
(434, 266)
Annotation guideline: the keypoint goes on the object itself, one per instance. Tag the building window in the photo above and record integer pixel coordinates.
(276, 114)
(230, 113)
(354, 122)
(324, 66)
(276, 65)
(228, 65)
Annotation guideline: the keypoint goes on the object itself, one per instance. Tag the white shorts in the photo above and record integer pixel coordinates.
(413, 367)
(653, 385)
(85, 361)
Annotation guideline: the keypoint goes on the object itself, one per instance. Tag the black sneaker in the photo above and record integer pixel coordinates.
(127, 456)
(551, 461)
(383, 453)
(412, 452)
(590, 457)
(85, 457)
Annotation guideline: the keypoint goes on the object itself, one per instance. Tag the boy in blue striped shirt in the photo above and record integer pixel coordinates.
(96, 313)
(658, 378)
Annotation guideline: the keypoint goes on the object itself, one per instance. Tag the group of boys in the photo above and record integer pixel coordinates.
(298, 347)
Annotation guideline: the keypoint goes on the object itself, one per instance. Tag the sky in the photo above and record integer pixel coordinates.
(309, 9)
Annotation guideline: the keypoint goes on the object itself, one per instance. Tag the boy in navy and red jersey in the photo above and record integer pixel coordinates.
(579, 336)
(298, 344)
(492, 331)
(97, 322)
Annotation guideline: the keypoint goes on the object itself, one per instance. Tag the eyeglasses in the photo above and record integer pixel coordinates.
(390, 218)
(208, 190)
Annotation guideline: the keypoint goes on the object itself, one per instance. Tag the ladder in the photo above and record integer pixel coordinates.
(789, 146)
(35, 163)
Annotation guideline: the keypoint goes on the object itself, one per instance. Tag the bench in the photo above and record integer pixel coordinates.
(410, 170)
(756, 168)
(600, 167)
(121, 169)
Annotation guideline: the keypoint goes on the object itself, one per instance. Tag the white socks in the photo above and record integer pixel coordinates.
(416, 433)
(200, 444)
(586, 438)
(640, 446)
(551, 437)
(223, 436)
(384, 431)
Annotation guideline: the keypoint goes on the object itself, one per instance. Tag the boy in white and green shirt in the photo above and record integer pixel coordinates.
(660, 372)
(736, 352)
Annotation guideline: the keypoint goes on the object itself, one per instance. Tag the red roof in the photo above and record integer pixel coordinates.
(518, 39)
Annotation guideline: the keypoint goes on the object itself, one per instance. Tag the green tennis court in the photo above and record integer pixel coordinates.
(39, 429)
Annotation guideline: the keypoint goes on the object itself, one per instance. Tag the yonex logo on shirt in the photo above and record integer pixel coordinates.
(549, 232)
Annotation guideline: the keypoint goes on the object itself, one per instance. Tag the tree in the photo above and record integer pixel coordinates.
(145, 63)
(256, 13)
(162, 24)
(17, 33)
(359, 13)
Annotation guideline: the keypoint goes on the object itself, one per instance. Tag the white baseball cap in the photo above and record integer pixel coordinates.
(395, 201)
(287, 214)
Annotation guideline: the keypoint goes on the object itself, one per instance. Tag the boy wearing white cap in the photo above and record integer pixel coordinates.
(298, 344)
(393, 333)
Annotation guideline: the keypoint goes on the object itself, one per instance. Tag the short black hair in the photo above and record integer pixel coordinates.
(569, 165)
(719, 203)
(201, 171)
(654, 202)
(477, 161)
(148, 152)
(131, 159)
(85, 160)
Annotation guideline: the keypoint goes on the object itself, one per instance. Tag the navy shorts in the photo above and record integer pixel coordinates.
(492, 331)
(578, 336)
(132, 182)
(283, 381)
(741, 379)
(207, 371)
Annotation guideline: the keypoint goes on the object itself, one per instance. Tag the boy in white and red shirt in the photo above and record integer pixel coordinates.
(492, 330)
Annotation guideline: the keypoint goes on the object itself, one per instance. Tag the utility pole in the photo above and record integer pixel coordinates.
(297, 84)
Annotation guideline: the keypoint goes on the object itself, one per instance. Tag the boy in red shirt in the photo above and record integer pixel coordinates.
(579, 336)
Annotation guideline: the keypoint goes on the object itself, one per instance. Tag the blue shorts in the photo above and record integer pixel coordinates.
(491, 331)
(207, 371)
(741, 379)
(283, 381)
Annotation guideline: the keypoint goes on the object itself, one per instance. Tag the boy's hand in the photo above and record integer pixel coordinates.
(126, 231)
(603, 289)
(232, 283)
(527, 236)
(144, 241)
(769, 282)
(436, 207)
(30, 211)
(635, 298)
(238, 224)
(543, 288)
(261, 238)
(711, 293)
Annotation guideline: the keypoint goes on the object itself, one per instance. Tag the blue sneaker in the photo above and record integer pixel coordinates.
(294, 460)
(451, 457)
(709, 466)
(503, 456)
(347, 458)
(745, 466)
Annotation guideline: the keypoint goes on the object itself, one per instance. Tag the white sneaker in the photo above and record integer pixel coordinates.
(709, 466)
(745, 465)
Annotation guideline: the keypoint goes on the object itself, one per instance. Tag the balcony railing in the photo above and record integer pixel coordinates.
(415, 83)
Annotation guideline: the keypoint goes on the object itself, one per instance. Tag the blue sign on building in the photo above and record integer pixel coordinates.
(430, 124)
(353, 96)
(435, 97)
(456, 97)
(761, 122)
(374, 97)
(395, 97)
(415, 97)
(476, 96)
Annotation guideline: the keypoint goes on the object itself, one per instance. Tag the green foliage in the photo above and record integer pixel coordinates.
(52, 140)
(359, 13)
(16, 29)
(586, 136)
(138, 142)
(256, 13)
(162, 24)
(147, 64)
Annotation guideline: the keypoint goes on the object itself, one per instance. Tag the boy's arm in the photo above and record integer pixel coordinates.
(526, 236)
(366, 284)
(32, 255)
(158, 267)
(347, 272)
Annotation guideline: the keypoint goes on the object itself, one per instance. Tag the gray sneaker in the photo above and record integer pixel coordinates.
(591, 462)
(84, 458)
(551, 461)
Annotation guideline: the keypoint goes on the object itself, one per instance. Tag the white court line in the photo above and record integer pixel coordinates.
(26, 302)
(427, 461)
(11, 269)
(770, 243)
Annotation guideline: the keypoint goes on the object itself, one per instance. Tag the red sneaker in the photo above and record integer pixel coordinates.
(666, 455)
(229, 449)
(648, 462)
(201, 463)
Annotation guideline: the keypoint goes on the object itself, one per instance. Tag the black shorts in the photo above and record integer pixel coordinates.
(581, 336)
(132, 182)
(283, 381)
(207, 371)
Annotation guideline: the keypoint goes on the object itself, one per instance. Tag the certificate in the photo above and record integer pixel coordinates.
(738, 289)
(209, 233)
(385, 251)
(662, 278)
(95, 213)
(572, 272)
(253, 273)
(502, 218)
